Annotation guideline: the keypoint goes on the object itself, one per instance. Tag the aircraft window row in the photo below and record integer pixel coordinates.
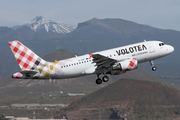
(75, 64)
(161, 44)
(111, 55)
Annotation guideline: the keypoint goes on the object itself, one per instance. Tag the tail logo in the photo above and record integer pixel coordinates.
(25, 57)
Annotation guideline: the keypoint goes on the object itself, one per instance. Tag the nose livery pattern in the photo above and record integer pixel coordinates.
(26, 58)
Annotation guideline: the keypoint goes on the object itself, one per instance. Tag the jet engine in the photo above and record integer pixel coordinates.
(123, 66)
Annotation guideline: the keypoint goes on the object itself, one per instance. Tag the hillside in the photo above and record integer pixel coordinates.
(137, 99)
(119, 31)
(59, 55)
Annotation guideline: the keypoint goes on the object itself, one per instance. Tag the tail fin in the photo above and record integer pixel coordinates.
(26, 58)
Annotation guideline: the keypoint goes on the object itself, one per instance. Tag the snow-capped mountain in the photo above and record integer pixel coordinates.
(41, 24)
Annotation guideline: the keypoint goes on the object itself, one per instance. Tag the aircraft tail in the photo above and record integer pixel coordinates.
(26, 58)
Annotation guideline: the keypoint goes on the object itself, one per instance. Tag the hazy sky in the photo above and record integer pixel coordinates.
(157, 13)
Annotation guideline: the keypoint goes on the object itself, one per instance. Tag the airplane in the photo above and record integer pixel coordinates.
(113, 61)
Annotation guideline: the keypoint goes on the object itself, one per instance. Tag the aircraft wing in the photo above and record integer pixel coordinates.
(104, 62)
(101, 60)
(28, 73)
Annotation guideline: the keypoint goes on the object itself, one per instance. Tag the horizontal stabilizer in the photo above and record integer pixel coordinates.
(24, 74)
(28, 72)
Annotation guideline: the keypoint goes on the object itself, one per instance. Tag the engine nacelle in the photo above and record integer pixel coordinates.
(122, 67)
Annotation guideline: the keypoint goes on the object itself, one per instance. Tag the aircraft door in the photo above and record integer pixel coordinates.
(151, 47)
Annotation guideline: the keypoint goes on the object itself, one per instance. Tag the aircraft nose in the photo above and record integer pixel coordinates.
(170, 49)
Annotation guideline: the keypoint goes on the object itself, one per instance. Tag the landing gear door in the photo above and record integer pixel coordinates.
(151, 47)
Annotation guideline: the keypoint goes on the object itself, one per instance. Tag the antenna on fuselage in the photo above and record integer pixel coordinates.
(144, 40)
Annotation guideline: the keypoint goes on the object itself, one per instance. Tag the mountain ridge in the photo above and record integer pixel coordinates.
(121, 26)
(39, 23)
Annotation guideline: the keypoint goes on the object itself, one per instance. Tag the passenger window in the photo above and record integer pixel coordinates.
(74, 63)
(79, 62)
(84, 61)
(66, 65)
(61, 66)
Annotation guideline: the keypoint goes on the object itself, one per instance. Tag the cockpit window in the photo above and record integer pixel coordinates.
(161, 44)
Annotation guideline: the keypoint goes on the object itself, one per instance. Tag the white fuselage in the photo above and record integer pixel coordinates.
(83, 65)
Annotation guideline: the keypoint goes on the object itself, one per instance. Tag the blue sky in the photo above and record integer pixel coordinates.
(163, 14)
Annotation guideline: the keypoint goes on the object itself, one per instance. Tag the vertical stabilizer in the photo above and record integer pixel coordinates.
(26, 58)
